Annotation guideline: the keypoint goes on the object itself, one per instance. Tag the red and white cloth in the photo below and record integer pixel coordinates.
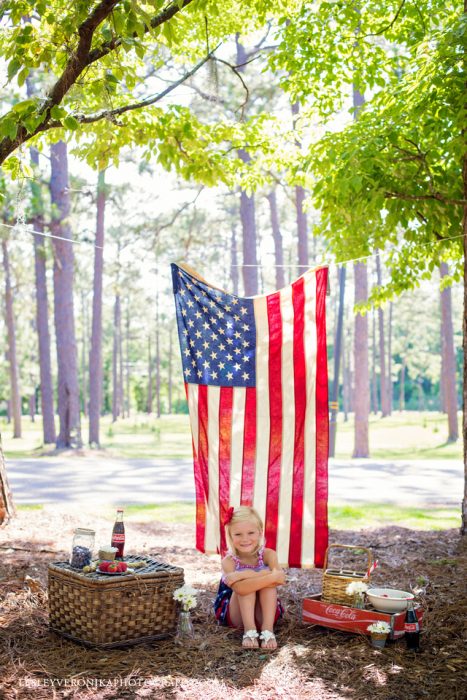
(256, 381)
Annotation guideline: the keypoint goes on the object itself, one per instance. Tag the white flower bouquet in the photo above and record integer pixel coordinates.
(186, 596)
(356, 588)
(379, 627)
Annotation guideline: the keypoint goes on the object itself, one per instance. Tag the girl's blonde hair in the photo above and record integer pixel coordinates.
(240, 515)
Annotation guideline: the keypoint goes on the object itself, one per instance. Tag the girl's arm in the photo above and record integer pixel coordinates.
(237, 576)
(270, 558)
(270, 579)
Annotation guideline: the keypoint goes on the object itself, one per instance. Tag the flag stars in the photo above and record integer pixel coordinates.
(182, 292)
(199, 354)
(205, 345)
(184, 312)
(190, 303)
(214, 375)
(187, 352)
(230, 341)
(229, 324)
(246, 327)
(193, 363)
(227, 307)
(214, 355)
(213, 320)
(237, 351)
(229, 357)
(246, 358)
(214, 336)
(191, 323)
(245, 376)
(198, 334)
(192, 343)
(234, 302)
(188, 371)
(206, 326)
(237, 317)
(198, 314)
(221, 331)
(221, 346)
(200, 374)
(206, 364)
(229, 376)
(243, 311)
(237, 334)
(221, 365)
(237, 367)
(245, 343)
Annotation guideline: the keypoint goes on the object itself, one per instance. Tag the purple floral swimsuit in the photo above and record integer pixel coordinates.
(224, 593)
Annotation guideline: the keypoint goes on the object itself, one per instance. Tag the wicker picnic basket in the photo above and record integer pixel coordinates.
(105, 611)
(335, 581)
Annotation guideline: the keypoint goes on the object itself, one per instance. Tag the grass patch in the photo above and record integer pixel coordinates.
(29, 506)
(177, 512)
(340, 517)
(406, 435)
(374, 515)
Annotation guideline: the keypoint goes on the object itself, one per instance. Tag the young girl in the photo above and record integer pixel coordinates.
(247, 595)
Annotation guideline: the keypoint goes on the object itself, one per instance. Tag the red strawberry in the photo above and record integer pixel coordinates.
(104, 566)
(112, 567)
(122, 566)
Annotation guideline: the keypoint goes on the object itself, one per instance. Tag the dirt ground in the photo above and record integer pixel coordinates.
(311, 662)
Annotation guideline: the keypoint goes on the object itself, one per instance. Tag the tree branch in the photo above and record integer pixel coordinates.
(112, 113)
(78, 61)
(424, 197)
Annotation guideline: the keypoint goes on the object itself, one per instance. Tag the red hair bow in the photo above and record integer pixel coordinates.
(229, 515)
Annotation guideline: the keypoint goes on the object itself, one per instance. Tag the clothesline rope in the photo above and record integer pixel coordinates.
(341, 263)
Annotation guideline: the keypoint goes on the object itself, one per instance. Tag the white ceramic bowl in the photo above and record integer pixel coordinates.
(388, 600)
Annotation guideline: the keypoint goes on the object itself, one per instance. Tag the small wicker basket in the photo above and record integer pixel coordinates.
(335, 581)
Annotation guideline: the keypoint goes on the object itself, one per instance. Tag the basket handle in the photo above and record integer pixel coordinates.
(348, 546)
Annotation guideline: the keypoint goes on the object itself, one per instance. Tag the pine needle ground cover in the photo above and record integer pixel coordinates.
(311, 662)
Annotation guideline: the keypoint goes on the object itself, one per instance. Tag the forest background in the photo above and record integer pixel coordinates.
(251, 142)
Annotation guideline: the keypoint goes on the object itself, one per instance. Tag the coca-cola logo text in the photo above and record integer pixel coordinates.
(341, 613)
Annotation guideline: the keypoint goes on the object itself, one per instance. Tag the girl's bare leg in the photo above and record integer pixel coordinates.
(268, 605)
(242, 614)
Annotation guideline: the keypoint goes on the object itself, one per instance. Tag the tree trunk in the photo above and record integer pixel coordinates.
(115, 373)
(158, 373)
(374, 388)
(120, 366)
(247, 216)
(464, 342)
(277, 238)
(234, 260)
(95, 353)
(449, 358)
(362, 385)
(7, 509)
(67, 360)
(32, 407)
(42, 313)
(170, 370)
(382, 348)
(127, 363)
(11, 337)
(302, 226)
(345, 379)
(334, 403)
(149, 399)
(389, 384)
(247, 211)
(84, 372)
(402, 387)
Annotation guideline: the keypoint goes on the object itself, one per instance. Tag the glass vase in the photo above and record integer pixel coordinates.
(185, 634)
(359, 601)
(378, 640)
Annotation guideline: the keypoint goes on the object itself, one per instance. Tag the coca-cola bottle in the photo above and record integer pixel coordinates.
(412, 628)
(118, 534)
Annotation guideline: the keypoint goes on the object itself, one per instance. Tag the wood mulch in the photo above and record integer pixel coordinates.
(311, 662)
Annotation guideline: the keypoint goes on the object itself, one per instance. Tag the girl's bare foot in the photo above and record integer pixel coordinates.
(250, 639)
(268, 640)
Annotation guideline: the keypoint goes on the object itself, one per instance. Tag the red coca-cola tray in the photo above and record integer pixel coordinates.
(342, 617)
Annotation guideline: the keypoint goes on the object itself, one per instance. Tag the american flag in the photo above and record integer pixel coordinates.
(255, 374)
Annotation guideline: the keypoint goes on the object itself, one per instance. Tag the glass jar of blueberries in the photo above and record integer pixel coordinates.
(82, 547)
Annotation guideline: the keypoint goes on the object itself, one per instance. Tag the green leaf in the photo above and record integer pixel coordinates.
(70, 122)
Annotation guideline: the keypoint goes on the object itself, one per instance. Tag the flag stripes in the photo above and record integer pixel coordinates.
(267, 445)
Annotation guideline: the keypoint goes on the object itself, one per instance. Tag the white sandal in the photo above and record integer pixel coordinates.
(252, 636)
(267, 636)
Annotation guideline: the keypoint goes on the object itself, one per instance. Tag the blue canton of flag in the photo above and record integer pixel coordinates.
(217, 333)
